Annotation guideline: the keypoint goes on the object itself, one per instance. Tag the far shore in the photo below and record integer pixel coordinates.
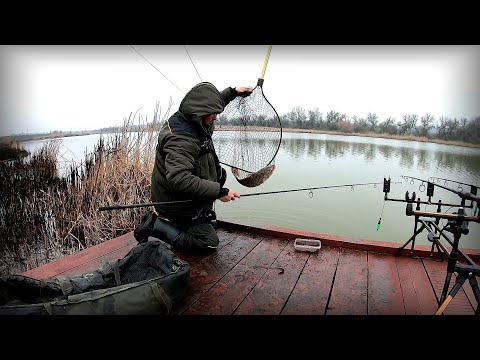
(10, 146)
(385, 136)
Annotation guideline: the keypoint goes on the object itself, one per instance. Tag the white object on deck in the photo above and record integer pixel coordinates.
(310, 245)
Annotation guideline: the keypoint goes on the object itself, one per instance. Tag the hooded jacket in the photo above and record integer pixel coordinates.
(186, 165)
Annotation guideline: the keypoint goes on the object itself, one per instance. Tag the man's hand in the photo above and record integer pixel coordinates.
(243, 90)
(232, 194)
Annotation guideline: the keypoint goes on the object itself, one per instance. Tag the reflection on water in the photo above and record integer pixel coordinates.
(423, 159)
(432, 156)
(316, 160)
(386, 151)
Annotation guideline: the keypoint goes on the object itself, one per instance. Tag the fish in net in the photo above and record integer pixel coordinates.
(248, 135)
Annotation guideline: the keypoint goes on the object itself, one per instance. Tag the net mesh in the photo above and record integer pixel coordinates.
(247, 137)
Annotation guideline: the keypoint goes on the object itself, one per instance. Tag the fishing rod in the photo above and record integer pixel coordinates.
(115, 207)
(448, 180)
(464, 195)
(473, 188)
(312, 188)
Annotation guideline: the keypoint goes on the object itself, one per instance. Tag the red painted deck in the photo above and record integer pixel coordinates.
(257, 271)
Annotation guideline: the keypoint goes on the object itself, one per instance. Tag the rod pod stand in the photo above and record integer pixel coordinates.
(431, 227)
(458, 227)
(434, 231)
(464, 272)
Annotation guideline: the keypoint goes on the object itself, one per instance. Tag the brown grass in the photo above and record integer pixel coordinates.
(45, 217)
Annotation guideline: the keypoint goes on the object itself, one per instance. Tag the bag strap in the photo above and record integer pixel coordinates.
(48, 308)
(161, 295)
(66, 284)
(116, 272)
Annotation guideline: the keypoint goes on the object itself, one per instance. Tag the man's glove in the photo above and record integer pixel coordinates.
(223, 192)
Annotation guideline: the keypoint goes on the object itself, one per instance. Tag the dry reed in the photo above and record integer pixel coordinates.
(44, 216)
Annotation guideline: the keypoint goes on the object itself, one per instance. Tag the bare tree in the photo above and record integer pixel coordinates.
(427, 122)
(331, 119)
(359, 124)
(315, 119)
(442, 127)
(462, 133)
(452, 126)
(388, 126)
(472, 130)
(409, 122)
(372, 120)
(297, 117)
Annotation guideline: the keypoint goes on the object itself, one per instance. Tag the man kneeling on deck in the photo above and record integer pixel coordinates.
(187, 175)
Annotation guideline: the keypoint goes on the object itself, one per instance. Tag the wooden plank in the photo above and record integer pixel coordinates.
(467, 288)
(311, 294)
(349, 293)
(271, 293)
(224, 237)
(437, 272)
(62, 265)
(384, 291)
(418, 295)
(224, 297)
(97, 263)
(213, 268)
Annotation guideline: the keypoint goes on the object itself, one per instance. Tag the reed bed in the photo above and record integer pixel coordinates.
(44, 216)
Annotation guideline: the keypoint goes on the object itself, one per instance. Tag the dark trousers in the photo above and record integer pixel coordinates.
(200, 236)
(194, 236)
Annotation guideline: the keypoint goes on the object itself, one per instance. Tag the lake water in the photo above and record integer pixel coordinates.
(319, 160)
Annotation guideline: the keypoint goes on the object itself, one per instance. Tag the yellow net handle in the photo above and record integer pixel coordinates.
(266, 61)
(260, 80)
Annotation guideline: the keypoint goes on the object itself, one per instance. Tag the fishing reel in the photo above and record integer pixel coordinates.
(206, 216)
(458, 224)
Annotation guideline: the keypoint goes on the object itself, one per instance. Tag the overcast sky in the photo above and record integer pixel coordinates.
(78, 87)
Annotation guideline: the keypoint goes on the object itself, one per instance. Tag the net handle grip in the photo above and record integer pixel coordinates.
(265, 63)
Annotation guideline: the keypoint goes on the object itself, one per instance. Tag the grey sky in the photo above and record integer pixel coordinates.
(76, 87)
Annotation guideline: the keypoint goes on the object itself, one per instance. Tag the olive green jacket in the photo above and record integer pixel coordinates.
(186, 165)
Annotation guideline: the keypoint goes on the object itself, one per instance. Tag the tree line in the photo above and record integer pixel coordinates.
(443, 128)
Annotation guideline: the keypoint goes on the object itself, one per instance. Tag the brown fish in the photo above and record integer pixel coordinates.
(256, 178)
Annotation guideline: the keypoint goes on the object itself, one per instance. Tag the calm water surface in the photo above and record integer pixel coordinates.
(317, 160)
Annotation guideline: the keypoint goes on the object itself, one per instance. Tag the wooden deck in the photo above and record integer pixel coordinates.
(257, 271)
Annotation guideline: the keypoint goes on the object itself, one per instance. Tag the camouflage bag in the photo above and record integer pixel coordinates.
(150, 279)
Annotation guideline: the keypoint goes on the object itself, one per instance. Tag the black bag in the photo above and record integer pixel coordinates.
(148, 280)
